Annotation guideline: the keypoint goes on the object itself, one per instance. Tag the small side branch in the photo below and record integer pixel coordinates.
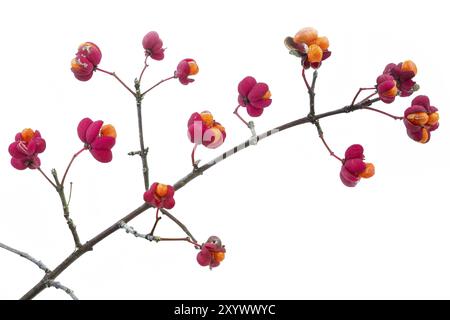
(25, 255)
(58, 285)
(157, 84)
(65, 205)
(118, 79)
(178, 222)
(384, 113)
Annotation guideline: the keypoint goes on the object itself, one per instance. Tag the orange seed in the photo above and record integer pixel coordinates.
(306, 35)
(219, 256)
(193, 68)
(315, 53)
(161, 190)
(368, 172)
(408, 65)
(207, 118)
(418, 118)
(108, 130)
(27, 134)
(267, 95)
(433, 118)
(323, 43)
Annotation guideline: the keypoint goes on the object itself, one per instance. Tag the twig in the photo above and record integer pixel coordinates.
(156, 222)
(144, 151)
(157, 84)
(150, 237)
(25, 255)
(143, 70)
(236, 112)
(46, 177)
(70, 223)
(130, 229)
(58, 285)
(178, 222)
(70, 164)
(118, 79)
(305, 80)
(382, 112)
(359, 91)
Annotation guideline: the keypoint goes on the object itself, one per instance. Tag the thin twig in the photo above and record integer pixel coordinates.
(145, 68)
(58, 285)
(118, 79)
(25, 255)
(178, 222)
(47, 178)
(359, 91)
(305, 80)
(65, 205)
(144, 151)
(157, 84)
(382, 112)
(236, 112)
(130, 229)
(156, 222)
(70, 164)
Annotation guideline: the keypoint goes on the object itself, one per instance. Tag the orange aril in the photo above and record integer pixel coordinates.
(161, 190)
(219, 256)
(193, 68)
(306, 35)
(368, 172)
(207, 118)
(425, 136)
(408, 65)
(315, 53)
(433, 118)
(27, 134)
(267, 95)
(323, 43)
(108, 130)
(418, 118)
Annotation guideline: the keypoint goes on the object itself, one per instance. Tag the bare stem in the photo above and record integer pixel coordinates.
(118, 79)
(359, 91)
(47, 178)
(329, 149)
(58, 285)
(306, 80)
(70, 164)
(69, 221)
(25, 255)
(179, 239)
(157, 84)
(157, 218)
(236, 112)
(144, 151)
(143, 69)
(384, 113)
(193, 156)
(178, 222)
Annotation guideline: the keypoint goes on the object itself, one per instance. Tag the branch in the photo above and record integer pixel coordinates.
(25, 255)
(70, 223)
(144, 151)
(178, 222)
(157, 84)
(58, 285)
(88, 246)
(118, 79)
(194, 174)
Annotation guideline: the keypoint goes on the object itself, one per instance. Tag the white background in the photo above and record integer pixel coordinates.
(291, 229)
